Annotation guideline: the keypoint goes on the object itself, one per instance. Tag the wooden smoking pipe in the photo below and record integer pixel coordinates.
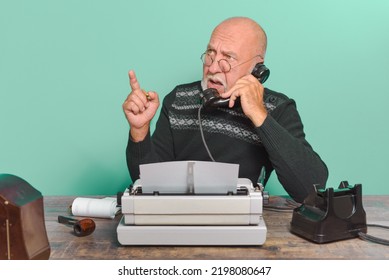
(82, 227)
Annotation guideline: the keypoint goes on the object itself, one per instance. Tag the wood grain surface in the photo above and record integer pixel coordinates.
(280, 242)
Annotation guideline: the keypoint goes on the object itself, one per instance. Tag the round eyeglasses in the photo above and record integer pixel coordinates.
(224, 65)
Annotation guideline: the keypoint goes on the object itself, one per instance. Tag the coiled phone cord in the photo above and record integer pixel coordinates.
(202, 133)
(374, 239)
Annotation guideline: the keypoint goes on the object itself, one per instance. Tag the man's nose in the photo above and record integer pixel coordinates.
(214, 67)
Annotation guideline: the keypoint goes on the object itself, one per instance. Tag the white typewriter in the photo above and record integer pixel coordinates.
(191, 203)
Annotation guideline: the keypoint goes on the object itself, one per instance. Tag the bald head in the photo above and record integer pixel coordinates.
(246, 31)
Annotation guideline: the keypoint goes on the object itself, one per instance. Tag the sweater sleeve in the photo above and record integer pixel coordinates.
(296, 164)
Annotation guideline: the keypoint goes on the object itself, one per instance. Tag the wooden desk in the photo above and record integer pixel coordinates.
(280, 243)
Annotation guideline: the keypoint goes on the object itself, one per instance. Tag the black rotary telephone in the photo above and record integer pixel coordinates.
(211, 98)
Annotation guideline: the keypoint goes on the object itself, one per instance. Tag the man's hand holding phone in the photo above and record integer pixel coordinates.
(250, 91)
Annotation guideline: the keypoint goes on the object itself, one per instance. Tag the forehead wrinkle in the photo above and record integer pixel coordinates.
(223, 51)
(225, 42)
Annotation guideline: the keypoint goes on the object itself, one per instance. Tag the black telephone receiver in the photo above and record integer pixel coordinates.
(211, 98)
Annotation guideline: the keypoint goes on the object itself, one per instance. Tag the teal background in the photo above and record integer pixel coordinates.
(63, 78)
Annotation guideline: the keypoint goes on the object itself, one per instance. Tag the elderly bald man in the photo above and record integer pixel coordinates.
(259, 128)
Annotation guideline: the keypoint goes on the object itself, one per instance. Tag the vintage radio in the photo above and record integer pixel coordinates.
(22, 227)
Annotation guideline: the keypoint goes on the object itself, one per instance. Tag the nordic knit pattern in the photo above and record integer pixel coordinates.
(279, 144)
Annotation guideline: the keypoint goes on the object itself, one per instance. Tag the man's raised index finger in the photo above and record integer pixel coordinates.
(133, 80)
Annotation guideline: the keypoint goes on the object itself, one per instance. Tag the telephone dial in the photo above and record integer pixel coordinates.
(211, 98)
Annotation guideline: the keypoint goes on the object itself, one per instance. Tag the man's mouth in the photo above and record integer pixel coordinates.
(211, 81)
(215, 83)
